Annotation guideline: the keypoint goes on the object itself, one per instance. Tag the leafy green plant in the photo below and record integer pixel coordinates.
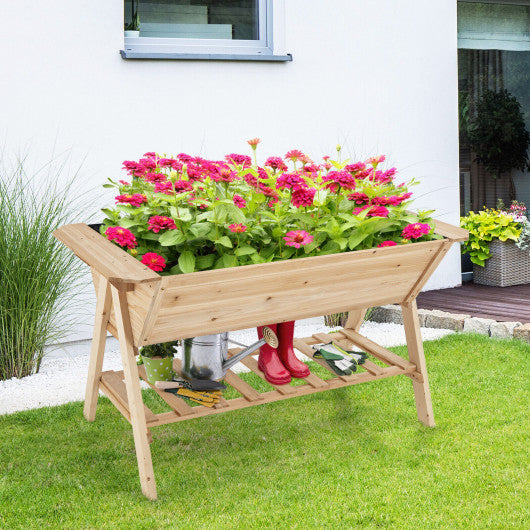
(485, 226)
(163, 349)
(498, 133)
(36, 271)
(186, 214)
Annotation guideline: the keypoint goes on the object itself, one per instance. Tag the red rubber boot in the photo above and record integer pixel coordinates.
(269, 362)
(286, 352)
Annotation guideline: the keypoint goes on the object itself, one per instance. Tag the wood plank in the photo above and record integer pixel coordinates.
(112, 381)
(177, 404)
(134, 395)
(110, 261)
(270, 397)
(454, 233)
(97, 350)
(251, 363)
(376, 350)
(249, 393)
(422, 393)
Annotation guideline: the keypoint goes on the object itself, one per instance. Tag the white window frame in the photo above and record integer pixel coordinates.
(268, 46)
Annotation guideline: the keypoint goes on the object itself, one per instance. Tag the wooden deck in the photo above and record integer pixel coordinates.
(507, 304)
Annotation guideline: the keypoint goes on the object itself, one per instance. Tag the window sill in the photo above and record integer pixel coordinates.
(205, 56)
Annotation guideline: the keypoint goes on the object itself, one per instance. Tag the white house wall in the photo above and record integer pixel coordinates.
(379, 77)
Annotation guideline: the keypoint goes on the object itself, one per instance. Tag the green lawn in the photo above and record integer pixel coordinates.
(354, 457)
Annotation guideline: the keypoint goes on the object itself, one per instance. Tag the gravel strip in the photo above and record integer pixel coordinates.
(62, 377)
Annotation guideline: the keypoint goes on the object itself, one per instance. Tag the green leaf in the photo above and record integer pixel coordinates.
(187, 262)
(356, 239)
(205, 262)
(172, 237)
(201, 229)
(229, 260)
(129, 223)
(225, 241)
(175, 270)
(245, 250)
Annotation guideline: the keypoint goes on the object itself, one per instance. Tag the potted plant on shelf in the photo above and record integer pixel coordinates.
(132, 28)
(158, 361)
(499, 245)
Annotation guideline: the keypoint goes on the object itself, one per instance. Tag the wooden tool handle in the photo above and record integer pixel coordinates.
(168, 384)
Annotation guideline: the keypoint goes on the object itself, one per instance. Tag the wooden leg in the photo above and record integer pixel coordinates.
(134, 394)
(97, 349)
(422, 393)
(355, 319)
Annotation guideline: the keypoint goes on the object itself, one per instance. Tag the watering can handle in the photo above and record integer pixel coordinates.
(269, 337)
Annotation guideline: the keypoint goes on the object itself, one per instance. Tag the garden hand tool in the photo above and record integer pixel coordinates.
(198, 385)
(286, 351)
(269, 362)
(206, 357)
(341, 361)
(208, 399)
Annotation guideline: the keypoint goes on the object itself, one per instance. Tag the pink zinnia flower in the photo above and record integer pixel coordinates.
(151, 176)
(355, 168)
(137, 199)
(387, 244)
(290, 181)
(335, 179)
(239, 201)
(160, 222)
(375, 211)
(154, 261)
(239, 160)
(359, 198)
(294, 155)
(275, 162)
(303, 197)
(375, 160)
(237, 228)
(122, 236)
(164, 187)
(183, 185)
(124, 183)
(415, 230)
(297, 238)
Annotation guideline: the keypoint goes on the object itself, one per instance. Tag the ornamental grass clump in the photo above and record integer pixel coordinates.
(36, 271)
(184, 213)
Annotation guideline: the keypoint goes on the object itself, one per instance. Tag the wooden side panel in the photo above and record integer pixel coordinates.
(238, 298)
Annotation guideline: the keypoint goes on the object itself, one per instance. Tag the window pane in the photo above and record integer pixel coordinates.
(196, 19)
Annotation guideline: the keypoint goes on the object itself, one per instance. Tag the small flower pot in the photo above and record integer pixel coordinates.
(158, 369)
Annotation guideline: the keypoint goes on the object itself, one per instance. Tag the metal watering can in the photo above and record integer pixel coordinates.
(206, 357)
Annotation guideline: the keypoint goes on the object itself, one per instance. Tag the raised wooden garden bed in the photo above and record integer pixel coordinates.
(139, 307)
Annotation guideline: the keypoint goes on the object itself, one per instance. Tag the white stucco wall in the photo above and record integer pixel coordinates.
(380, 77)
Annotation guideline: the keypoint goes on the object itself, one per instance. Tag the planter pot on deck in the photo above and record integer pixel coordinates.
(508, 265)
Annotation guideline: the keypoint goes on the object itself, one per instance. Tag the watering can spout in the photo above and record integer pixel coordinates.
(269, 337)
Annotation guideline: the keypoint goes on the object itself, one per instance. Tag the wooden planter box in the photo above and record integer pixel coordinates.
(140, 307)
(508, 265)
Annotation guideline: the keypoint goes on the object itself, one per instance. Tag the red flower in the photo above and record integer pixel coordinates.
(375, 211)
(183, 185)
(122, 236)
(303, 197)
(239, 201)
(160, 222)
(237, 228)
(294, 155)
(164, 187)
(289, 181)
(339, 178)
(275, 162)
(239, 160)
(375, 160)
(359, 198)
(355, 168)
(154, 261)
(137, 199)
(297, 238)
(151, 176)
(254, 142)
(415, 230)
(387, 244)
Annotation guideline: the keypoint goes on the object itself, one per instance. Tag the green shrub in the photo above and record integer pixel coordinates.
(36, 271)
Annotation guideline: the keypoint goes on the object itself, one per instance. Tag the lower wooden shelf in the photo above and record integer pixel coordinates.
(113, 386)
